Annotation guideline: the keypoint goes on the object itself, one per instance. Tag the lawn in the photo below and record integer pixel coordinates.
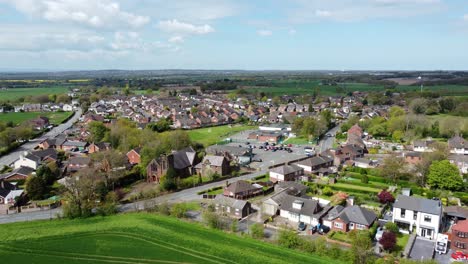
(355, 187)
(297, 141)
(211, 135)
(135, 238)
(20, 117)
(402, 240)
(12, 94)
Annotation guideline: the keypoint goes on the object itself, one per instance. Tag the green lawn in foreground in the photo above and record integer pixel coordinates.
(20, 117)
(15, 93)
(211, 135)
(135, 238)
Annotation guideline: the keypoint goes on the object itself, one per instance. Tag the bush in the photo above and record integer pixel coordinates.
(392, 227)
(364, 179)
(257, 231)
(211, 219)
(288, 239)
(385, 197)
(388, 241)
(179, 210)
(327, 191)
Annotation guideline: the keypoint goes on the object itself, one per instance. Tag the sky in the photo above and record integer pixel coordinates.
(234, 34)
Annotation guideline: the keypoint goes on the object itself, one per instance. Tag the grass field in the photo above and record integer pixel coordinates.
(211, 135)
(135, 238)
(18, 118)
(297, 141)
(15, 93)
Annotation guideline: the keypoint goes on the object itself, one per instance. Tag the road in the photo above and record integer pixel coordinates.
(327, 142)
(14, 155)
(23, 217)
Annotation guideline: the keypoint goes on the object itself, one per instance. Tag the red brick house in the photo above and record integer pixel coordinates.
(40, 122)
(413, 157)
(97, 147)
(213, 164)
(349, 218)
(242, 190)
(18, 174)
(134, 156)
(460, 237)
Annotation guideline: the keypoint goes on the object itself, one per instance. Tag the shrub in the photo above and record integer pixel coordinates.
(288, 239)
(257, 231)
(364, 179)
(211, 219)
(388, 241)
(392, 227)
(179, 210)
(385, 197)
(327, 191)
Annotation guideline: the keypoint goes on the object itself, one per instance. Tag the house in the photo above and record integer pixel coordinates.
(239, 154)
(347, 153)
(364, 163)
(74, 145)
(413, 157)
(455, 213)
(182, 161)
(354, 137)
(134, 156)
(34, 159)
(231, 206)
(286, 173)
(55, 143)
(292, 188)
(351, 218)
(266, 136)
(314, 163)
(8, 193)
(423, 145)
(417, 214)
(18, 174)
(67, 107)
(97, 147)
(461, 161)
(458, 145)
(40, 123)
(88, 118)
(460, 236)
(77, 163)
(213, 164)
(31, 107)
(242, 189)
(332, 214)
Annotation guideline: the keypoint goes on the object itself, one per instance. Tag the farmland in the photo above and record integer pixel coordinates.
(16, 93)
(20, 117)
(135, 238)
(211, 135)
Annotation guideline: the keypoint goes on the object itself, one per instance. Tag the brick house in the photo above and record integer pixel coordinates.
(134, 156)
(231, 206)
(40, 122)
(350, 218)
(97, 147)
(213, 164)
(314, 163)
(182, 161)
(77, 163)
(242, 189)
(460, 236)
(286, 173)
(413, 157)
(18, 174)
(156, 169)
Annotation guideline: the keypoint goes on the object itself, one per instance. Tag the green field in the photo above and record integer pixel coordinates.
(212, 135)
(12, 94)
(297, 141)
(20, 117)
(135, 238)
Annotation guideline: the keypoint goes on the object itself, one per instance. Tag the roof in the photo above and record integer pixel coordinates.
(184, 158)
(21, 170)
(358, 215)
(233, 150)
(315, 161)
(5, 188)
(240, 186)
(40, 155)
(286, 169)
(231, 202)
(75, 143)
(216, 161)
(79, 160)
(418, 204)
(334, 212)
(461, 226)
(457, 142)
(309, 207)
(291, 187)
(457, 211)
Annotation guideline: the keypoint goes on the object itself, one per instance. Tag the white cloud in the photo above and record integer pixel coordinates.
(465, 17)
(357, 10)
(182, 28)
(133, 41)
(264, 33)
(92, 13)
(292, 31)
(176, 39)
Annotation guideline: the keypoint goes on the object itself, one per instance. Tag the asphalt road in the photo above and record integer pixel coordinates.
(327, 142)
(14, 155)
(31, 216)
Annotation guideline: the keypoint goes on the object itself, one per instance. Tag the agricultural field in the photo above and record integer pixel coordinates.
(12, 94)
(20, 117)
(211, 135)
(135, 238)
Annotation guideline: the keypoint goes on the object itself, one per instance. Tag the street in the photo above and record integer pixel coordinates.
(327, 142)
(14, 155)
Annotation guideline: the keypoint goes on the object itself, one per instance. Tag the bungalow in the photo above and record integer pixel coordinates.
(364, 163)
(134, 156)
(242, 189)
(34, 159)
(292, 188)
(213, 164)
(77, 163)
(18, 174)
(40, 123)
(351, 218)
(97, 147)
(74, 145)
(286, 173)
(67, 107)
(52, 143)
(417, 214)
(458, 145)
(423, 145)
(8, 193)
(231, 206)
(314, 163)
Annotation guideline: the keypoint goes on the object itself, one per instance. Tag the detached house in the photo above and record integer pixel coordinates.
(97, 147)
(34, 159)
(314, 163)
(419, 215)
(134, 156)
(8, 193)
(213, 164)
(423, 145)
(40, 123)
(17, 174)
(458, 145)
(231, 206)
(350, 218)
(286, 173)
(242, 189)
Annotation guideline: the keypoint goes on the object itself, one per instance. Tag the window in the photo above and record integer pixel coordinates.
(462, 234)
(415, 215)
(427, 218)
(338, 225)
(402, 213)
(460, 245)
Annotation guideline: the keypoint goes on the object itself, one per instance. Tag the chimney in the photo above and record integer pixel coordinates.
(350, 201)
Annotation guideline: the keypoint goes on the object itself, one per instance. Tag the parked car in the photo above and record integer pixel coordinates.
(312, 229)
(323, 229)
(379, 234)
(302, 226)
(261, 147)
(459, 256)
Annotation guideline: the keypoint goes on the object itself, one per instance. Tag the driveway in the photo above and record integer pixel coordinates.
(423, 249)
(11, 157)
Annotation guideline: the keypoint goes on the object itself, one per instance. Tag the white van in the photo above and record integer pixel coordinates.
(441, 244)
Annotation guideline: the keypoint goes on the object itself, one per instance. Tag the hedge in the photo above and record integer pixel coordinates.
(209, 190)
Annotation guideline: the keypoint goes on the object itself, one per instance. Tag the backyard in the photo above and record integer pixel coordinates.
(135, 238)
(211, 135)
(20, 117)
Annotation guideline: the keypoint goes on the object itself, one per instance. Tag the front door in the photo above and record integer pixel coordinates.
(423, 232)
(427, 233)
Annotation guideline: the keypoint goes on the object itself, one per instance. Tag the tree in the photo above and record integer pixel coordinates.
(98, 131)
(81, 196)
(444, 175)
(63, 98)
(388, 241)
(168, 182)
(392, 168)
(385, 197)
(397, 135)
(339, 198)
(257, 231)
(396, 111)
(35, 187)
(288, 239)
(45, 173)
(418, 106)
(361, 244)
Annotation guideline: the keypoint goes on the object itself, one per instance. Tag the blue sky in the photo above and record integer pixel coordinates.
(234, 34)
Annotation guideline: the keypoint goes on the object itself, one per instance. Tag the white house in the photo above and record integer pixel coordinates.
(285, 173)
(67, 107)
(423, 145)
(419, 215)
(364, 163)
(458, 145)
(27, 160)
(461, 161)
